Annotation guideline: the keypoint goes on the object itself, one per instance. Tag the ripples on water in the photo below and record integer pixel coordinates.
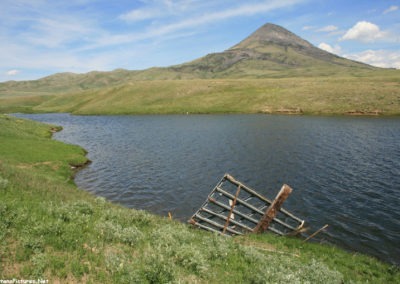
(345, 172)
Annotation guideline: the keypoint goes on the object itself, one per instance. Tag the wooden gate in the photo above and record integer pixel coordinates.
(233, 208)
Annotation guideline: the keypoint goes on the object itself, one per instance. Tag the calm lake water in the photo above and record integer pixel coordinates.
(345, 171)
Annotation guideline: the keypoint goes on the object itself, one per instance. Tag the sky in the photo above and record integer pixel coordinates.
(42, 37)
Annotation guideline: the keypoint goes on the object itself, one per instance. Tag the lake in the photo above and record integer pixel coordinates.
(344, 171)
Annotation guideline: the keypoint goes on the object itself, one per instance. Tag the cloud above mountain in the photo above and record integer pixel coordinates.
(332, 49)
(380, 58)
(365, 32)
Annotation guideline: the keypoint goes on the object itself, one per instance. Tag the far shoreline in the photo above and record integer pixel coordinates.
(356, 113)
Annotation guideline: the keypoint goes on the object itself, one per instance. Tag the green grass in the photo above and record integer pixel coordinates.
(22, 104)
(51, 230)
(366, 94)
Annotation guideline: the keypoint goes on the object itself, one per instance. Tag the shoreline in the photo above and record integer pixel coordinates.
(282, 112)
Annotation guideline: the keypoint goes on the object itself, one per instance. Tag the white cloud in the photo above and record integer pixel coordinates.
(140, 15)
(330, 28)
(12, 72)
(365, 32)
(161, 9)
(307, 28)
(379, 58)
(58, 60)
(335, 50)
(60, 31)
(391, 9)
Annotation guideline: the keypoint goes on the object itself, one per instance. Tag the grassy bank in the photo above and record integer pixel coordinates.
(49, 229)
(364, 95)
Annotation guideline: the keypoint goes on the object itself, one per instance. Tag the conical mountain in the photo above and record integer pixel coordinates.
(271, 51)
(272, 34)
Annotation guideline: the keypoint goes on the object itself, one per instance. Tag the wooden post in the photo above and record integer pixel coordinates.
(273, 209)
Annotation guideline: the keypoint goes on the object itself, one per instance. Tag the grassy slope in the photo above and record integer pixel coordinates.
(321, 95)
(317, 89)
(52, 230)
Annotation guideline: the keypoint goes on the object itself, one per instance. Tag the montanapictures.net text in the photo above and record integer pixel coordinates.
(23, 281)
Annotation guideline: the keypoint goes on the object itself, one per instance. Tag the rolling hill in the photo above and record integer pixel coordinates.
(277, 70)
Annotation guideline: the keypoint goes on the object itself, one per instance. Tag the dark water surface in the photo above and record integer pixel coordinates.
(345, 171)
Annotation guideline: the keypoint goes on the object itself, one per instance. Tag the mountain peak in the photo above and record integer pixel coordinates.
(272, 34)
(269, 50)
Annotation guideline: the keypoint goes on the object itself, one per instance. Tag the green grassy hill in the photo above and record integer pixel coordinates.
(320, 95)
(53, 231)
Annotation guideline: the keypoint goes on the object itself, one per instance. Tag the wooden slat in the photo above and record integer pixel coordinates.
(276, 231)
(248, 218)
(224, 218)
(195, 223)
(248, 189)
(230, 211)
(241, 201)
(215, 224)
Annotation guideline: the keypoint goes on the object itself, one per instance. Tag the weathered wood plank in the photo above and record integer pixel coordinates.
(224, 218)
(215, 224)
(273, 209)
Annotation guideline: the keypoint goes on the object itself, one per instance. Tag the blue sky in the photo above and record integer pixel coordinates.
(43, 37)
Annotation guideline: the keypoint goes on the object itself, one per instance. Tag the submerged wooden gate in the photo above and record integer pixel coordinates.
(233, 208)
